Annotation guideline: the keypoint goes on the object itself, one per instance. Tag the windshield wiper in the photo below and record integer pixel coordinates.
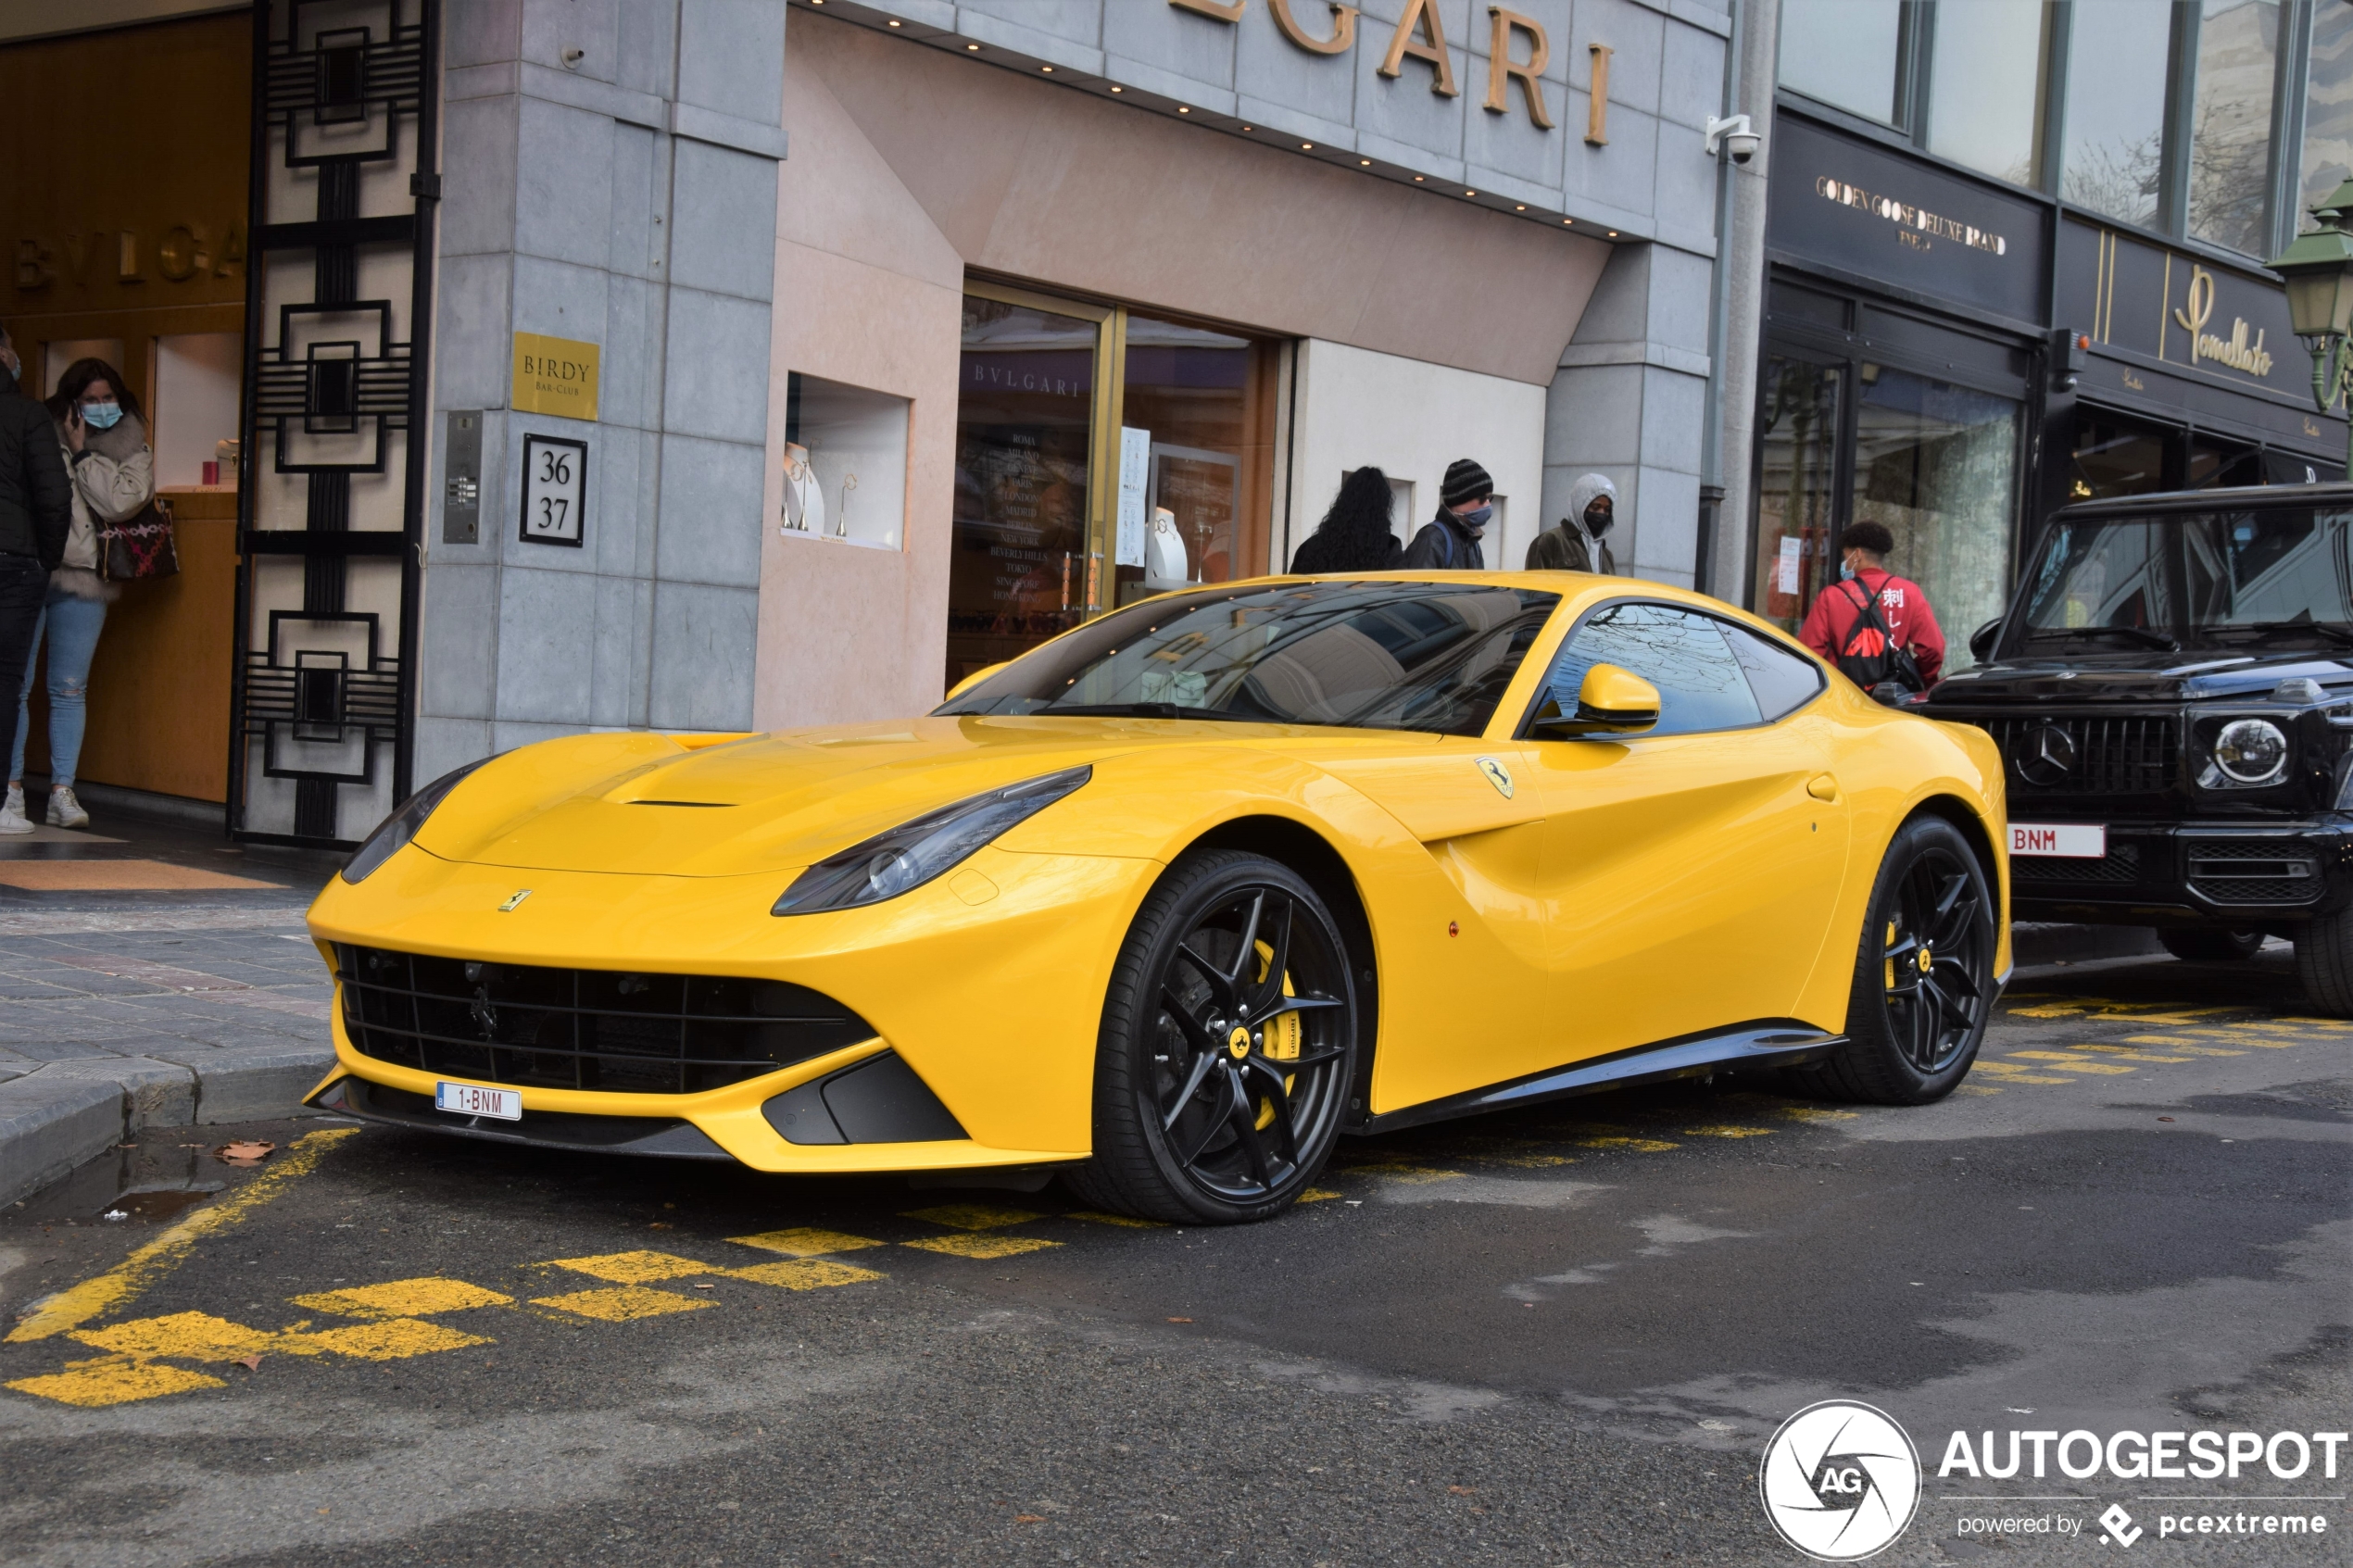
(1141, 710)
(2138, 634)
(2344, 634)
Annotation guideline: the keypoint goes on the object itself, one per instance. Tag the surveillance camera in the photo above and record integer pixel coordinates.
(1735, 136)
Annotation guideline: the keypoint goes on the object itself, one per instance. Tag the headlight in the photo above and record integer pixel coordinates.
(402, 825)
(910, 855)
(2252, 751)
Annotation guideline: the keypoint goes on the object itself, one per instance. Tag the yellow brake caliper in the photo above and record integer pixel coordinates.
(1282, 1036)
(1890, 962)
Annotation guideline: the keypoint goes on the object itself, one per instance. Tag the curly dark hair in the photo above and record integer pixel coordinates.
(1355, 535)
(1871, 536)
(77, 379)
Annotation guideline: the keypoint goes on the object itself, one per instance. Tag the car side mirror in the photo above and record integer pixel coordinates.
(1610, 701)
(976, 678)
(1981, 641)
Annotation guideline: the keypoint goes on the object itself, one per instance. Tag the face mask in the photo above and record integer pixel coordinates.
(1476, 518)
(1598, 523)
(101, 416)
(1845, 572)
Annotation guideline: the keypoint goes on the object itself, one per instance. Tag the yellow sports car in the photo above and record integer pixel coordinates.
(1173, 900)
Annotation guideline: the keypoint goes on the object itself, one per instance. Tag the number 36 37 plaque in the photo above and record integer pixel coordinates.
(555, 490)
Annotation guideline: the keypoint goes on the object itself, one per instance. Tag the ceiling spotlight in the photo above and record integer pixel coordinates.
(1307, 147)
(1612, 233)
(1417, 179)
(1116, 89)
(1365, 163)
(974, 48)
(1521, 207)
(1250, 128)
(893, 22)
(1182, 110)
(1567, 222)
(1470, 192)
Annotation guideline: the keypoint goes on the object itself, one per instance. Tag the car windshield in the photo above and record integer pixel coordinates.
(2228, 578)
(1371, 656)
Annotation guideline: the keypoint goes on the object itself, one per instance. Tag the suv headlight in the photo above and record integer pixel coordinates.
(910, 855)
(2252, 751)
(402, 825)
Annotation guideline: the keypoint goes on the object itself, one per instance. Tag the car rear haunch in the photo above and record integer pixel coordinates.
(616, 1031)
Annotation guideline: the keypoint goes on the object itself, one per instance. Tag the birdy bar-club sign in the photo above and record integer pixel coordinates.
(555, 375)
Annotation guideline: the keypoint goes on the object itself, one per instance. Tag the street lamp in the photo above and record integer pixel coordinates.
(2319, 270)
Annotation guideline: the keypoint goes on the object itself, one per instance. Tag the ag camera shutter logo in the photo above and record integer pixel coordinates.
(1839, 1481)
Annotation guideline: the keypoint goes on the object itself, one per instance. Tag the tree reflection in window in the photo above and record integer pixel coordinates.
(1701, 685)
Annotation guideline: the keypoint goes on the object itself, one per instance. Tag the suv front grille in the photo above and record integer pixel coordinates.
(2120, 864)
(2119, 755)
(582, 1028)
(2252, 870)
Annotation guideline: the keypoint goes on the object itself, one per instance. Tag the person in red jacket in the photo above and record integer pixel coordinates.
(1863, 551)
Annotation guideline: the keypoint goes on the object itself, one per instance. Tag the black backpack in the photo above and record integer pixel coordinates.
(1870, 657)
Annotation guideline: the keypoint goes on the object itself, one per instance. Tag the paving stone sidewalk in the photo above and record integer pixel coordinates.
(127, 1016)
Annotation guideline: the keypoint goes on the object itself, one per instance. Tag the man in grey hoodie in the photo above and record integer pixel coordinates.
(1577, 543)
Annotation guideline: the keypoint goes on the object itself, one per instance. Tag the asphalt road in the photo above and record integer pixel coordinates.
(1559, 1336)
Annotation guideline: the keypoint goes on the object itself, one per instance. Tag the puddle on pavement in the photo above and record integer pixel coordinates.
(155, 1204)
(146, 1184)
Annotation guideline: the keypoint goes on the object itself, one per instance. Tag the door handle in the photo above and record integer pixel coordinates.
(1822, 786)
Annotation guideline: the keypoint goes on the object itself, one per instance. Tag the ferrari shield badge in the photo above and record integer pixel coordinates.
(1497, 774)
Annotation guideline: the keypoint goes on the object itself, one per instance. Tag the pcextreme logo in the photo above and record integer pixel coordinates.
(1839, 1481)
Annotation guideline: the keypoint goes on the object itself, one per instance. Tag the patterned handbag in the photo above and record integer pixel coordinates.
(140, 546)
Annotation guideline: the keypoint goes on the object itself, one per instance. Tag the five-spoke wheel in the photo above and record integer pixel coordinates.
(1227, 1047)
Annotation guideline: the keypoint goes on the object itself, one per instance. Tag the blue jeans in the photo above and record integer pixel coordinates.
(72, 625)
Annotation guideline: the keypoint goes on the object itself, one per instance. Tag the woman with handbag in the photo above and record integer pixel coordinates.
(112, 472)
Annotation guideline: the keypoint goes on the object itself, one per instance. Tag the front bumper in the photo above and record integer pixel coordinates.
(989, 987)
(2233, 874)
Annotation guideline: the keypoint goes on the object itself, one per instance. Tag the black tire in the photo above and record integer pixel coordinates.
(2324, 963)
(2212, 947)
(1924, 988)
(1195, 1124)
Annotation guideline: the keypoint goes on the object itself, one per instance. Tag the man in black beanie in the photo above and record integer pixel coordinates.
(1466, 502)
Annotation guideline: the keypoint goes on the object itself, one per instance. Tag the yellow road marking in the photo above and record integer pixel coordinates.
(633, 1268)
(1974, 1089)
(2333, 1025)
(804, 1274)
(1726, 1132)
(1815, 1113)
(622, 1303)
(2074, 1063)
(103, 1293)
(2125, 1053)
(2009, 1074)
(1639, 1146)
(2173, 1042)
(113, 1380)
(971, 1216)
(393, 1340)
(1400, 1172)
(403, 1299)
(981, 1247)
(804, 1242)
(188, 1337)
(1131, 1222)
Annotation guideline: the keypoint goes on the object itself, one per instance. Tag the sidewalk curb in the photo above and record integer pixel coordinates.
(49, 1124)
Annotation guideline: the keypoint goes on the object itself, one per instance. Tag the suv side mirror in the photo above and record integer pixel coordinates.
(1981, 641)
(1610, 701)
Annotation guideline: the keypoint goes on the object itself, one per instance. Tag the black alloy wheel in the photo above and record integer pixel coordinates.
(1924, 986)
(1227, 1047)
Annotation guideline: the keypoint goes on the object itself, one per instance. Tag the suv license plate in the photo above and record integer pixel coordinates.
(471, 1100)
(2071, 841)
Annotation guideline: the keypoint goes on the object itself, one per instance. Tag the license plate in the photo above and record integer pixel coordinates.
(2071, 841)
(472, 1100)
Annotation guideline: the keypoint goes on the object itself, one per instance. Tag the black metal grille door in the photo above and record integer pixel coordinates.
(331, 492)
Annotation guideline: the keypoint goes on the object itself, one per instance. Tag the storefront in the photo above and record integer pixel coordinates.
(1968, 320)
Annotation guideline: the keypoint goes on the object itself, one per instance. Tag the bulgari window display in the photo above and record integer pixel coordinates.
(1102, 456)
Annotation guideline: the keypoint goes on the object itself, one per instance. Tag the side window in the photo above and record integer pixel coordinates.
(1701, 685)
(1784, 682)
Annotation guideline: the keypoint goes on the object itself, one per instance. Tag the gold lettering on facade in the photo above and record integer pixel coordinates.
(33, 271)
(1343, 27)
(181, 254)
(127, 257)
(1500, 70)
(2233, 351)
(2135, 382)
(1419, 35)
(1232, 13)
(1916, 220)
(184, 252)
(1597, 108)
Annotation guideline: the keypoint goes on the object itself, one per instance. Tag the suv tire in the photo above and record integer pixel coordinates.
(2205, 945)
(2324, 963)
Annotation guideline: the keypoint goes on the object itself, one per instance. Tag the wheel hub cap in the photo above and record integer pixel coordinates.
(1238, 1043)
(1927, 960)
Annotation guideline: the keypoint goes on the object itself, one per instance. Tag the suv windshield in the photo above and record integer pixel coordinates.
(1373, 656)
(2208, 580)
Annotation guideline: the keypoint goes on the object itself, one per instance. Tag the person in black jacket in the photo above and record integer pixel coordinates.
(1355, 533)
(36, 511)
(1450, 542)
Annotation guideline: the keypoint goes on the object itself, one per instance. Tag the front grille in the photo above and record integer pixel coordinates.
(2252, 870)
(2122, 863)
(582, 1028)
(2113, 755)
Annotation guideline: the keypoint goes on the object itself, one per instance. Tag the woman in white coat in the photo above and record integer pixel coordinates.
(113, 476)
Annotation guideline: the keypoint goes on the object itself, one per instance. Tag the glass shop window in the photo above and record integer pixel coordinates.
(2328, 108)
(1797, 454)
(2238, 49)
(1196, 458)
(1987, 75)
(1845, 53)
(2115, 87)
(845, 462)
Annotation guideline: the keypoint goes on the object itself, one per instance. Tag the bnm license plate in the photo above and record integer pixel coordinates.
(2071, 841)
(471, 1100)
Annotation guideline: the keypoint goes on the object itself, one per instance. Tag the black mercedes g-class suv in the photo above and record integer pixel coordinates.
(2172, 691)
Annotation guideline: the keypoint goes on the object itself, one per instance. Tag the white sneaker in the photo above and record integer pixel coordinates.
(64, 811)
(12, 817)
(16, 799)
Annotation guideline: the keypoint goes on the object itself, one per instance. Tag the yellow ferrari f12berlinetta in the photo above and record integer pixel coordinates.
(1173, 900)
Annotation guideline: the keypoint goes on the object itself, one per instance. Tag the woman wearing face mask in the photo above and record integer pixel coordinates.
(1579, 544)
(113, 475)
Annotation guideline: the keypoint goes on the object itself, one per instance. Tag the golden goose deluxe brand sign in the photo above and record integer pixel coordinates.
(555, 375)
